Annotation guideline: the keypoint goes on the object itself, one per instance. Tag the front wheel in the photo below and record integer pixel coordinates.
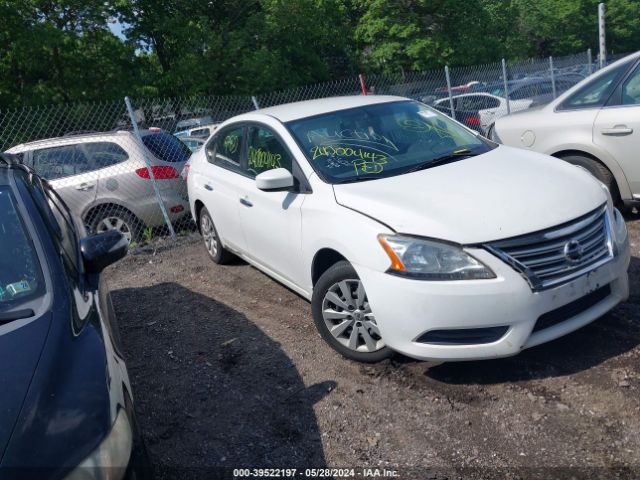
(343, 316)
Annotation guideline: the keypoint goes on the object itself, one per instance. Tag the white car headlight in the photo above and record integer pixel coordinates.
(430, 260)
(110, 459)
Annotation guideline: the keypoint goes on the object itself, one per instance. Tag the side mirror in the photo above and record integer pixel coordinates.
(274, 180)
(101, 250)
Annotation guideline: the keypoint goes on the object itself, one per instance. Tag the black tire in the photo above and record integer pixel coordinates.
(598, 170)
(335, 274)
(215, 249)
(100, 219)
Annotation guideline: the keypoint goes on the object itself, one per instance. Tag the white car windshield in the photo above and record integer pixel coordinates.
(382, 140)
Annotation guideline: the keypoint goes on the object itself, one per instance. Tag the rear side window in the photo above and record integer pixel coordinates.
(226, 148)
(166, 147)
(60, 162)
(596, 92)
(105, 154)
(21, 276)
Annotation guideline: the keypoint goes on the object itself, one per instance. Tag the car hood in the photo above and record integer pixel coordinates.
(500, 194)
(20, 351)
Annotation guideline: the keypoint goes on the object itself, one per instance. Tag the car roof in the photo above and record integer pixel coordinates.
(74, 138)
(308, 108)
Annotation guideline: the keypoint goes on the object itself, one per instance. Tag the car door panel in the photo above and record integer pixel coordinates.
(70, 173)
(217, 181)
(617, 129)
(271, 221)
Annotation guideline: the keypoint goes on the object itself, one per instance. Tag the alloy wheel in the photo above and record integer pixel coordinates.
(115, 223)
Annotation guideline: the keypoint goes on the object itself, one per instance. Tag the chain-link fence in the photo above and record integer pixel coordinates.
(118, 164)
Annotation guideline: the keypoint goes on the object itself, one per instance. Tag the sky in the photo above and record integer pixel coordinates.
(117, 28)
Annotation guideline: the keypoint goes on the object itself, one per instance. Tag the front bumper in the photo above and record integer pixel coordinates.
(405, 309)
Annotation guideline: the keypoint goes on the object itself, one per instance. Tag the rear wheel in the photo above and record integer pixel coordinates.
(598, 170)
(343, 316)
(119, 219)
(212, 243)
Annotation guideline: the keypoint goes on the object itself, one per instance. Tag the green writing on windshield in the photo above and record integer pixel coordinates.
(365, 161)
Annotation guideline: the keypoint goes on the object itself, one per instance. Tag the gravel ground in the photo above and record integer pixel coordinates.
(228, 370)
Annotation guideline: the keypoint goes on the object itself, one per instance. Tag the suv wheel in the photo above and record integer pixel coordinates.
(343, 316)
(119, 220)
(212, 243)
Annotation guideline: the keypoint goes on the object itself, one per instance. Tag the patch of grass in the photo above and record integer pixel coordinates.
(147, 234)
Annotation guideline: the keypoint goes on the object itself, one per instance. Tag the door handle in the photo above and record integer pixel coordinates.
(208, 187)
(85, 186)
(246, 202)
(618, 130)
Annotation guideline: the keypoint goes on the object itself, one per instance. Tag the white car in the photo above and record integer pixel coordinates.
(595, 124)
(488, 107)
(407, 231)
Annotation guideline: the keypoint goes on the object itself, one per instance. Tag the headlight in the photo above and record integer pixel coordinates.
(110, 459)
(429, 260)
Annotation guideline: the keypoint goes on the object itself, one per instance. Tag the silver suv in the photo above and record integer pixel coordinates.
(105, 178)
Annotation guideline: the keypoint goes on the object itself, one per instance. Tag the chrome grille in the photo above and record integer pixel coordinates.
(558, 255)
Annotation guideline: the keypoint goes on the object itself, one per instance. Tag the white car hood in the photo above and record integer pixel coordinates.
(500, 194)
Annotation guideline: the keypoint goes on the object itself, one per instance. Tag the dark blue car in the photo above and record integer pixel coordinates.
(66, 407)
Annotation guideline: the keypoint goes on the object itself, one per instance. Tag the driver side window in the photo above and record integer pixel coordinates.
(265, 152)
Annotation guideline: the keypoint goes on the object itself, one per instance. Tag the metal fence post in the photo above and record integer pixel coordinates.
(506, 85)
(590, 61)
(255, 102)
(448, 77)
(553, 77)
(152, 177)
(602, 34)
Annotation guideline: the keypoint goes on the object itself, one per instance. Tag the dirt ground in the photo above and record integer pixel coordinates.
(228, 370)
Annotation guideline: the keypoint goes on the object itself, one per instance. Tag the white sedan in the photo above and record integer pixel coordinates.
(595, 124)
(406, 231)
(481, 109)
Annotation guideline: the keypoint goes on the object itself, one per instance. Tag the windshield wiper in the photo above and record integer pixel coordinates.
(6, 317)
(360, 178)
(448, 158)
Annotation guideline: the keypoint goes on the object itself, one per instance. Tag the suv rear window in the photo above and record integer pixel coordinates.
(166, 147)
(21, 277)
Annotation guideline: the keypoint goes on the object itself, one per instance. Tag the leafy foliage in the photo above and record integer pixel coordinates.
(54, 51)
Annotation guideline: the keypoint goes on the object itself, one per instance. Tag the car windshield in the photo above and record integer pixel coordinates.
(381, 140)
(166, 147)
(21, 277)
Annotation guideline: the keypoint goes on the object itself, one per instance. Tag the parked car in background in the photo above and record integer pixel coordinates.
(105, 180)
(362, 205)
(193, 143)
(190, 123)
(538, 90)
(67, 406)
(202, 131)
(596, 125)
(479, 111)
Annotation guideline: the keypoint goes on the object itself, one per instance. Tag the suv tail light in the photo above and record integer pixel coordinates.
(472, 120)
(159, 172)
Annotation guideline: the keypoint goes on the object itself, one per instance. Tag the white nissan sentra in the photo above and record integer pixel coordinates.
(407, 231)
